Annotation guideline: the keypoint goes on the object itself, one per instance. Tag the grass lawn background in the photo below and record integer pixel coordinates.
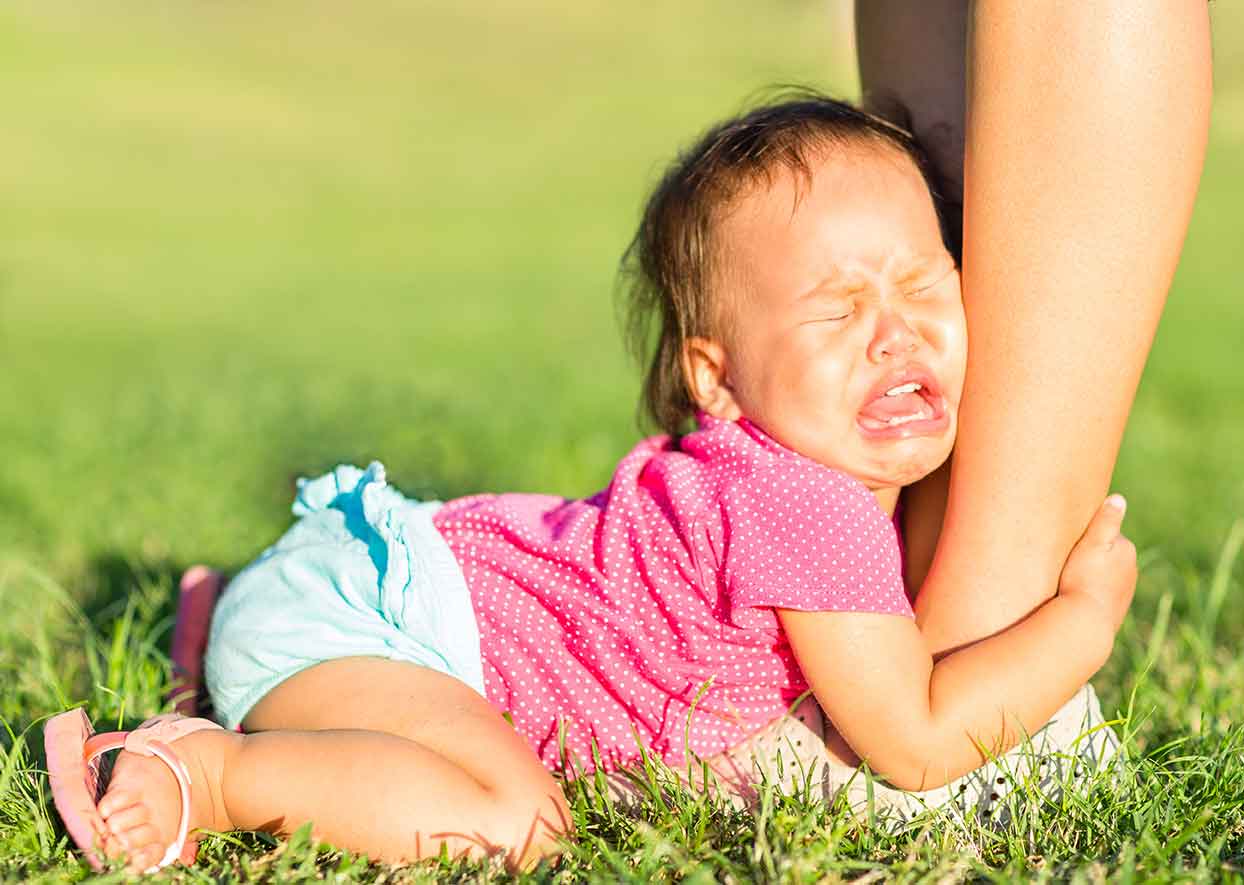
(243, 242)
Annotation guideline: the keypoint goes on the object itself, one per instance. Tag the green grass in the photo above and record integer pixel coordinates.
(243, 242)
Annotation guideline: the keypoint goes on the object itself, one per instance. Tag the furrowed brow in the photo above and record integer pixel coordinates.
(927, 269)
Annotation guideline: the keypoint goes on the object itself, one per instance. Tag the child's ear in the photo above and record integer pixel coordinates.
(704, 369)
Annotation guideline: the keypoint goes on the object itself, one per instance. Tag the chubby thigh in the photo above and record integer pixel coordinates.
(363, 572)
(459, 773)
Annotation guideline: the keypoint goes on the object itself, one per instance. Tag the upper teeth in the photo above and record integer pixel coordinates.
(909, 387)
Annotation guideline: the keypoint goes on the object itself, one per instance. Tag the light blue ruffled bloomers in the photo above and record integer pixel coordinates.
(363, 571)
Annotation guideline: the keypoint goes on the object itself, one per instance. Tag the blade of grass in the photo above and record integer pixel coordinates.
(1221, 581)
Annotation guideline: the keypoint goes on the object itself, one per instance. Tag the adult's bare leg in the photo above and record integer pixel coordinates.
(912, 68)
(1085, 135)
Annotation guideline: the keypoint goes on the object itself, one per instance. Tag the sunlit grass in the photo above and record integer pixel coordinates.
(1175, 807)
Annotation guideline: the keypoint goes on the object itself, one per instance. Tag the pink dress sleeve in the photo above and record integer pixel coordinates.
(802, 536)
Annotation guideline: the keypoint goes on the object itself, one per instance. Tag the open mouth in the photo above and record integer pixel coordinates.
(905, 403)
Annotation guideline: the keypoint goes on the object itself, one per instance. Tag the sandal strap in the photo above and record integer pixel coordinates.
(165, 729)
(165, 754)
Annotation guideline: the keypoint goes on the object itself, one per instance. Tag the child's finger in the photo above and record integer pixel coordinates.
(1107, 522)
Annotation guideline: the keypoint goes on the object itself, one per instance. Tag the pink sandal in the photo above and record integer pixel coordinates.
(73, 751)
(196, 600)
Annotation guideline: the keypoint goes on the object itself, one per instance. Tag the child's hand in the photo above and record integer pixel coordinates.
(921, 723)
(1102, 565)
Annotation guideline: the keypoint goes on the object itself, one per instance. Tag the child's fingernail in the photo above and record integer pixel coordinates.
(1117, 502)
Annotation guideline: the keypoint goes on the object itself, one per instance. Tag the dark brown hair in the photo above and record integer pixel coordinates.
(669, 268)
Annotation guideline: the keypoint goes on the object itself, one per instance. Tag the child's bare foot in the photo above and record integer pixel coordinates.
(142, 805)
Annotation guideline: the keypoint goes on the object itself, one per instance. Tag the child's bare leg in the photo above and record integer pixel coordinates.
(394, 761)
(477, 783)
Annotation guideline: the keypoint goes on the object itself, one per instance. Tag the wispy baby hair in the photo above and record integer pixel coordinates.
(671, 267)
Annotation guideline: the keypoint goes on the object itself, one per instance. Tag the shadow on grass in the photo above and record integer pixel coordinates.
(112, 580)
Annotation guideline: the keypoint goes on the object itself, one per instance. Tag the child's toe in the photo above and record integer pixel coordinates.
(142, 846)
(128, 818)
(116, 801)
(111, 846)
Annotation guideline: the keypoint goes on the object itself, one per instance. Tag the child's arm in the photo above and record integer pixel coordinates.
(920, 724)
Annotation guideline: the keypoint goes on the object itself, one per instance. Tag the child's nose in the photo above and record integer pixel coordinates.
(892, 337)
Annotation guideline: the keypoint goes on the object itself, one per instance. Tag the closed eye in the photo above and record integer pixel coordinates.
(926, 286)
(836, 314)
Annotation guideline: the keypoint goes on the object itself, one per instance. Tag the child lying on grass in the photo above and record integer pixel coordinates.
(811, 329)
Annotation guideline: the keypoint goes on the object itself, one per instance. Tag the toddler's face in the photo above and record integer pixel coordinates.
(845, 335)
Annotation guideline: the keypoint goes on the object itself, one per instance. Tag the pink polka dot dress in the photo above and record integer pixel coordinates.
(644, 615)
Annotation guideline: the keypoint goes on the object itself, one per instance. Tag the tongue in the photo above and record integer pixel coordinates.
(883, 408)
